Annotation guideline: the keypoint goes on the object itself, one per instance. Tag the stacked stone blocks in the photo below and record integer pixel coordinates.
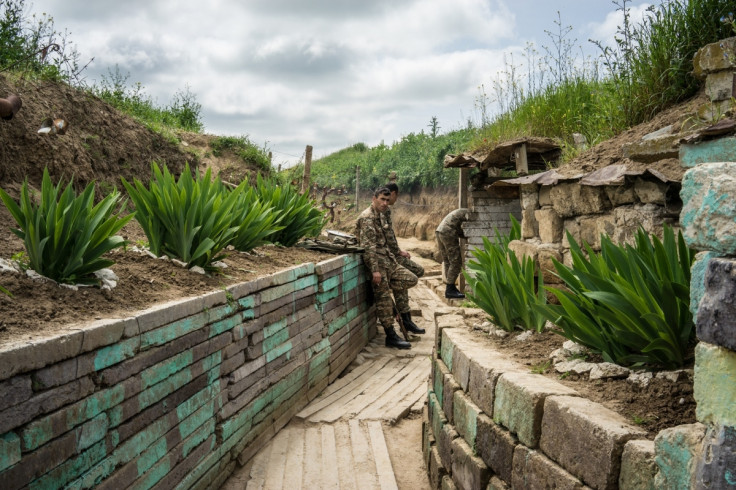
(179, 394)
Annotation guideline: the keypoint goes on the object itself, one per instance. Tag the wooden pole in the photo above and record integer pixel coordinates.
(522, 165)
(462, 193)
(307, 169)
(357, 187)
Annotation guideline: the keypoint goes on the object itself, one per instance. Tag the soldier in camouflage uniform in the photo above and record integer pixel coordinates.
(448, 236)
(386, 273)
(404, 259)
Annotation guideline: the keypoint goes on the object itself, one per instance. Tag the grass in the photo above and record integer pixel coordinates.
(541, 368)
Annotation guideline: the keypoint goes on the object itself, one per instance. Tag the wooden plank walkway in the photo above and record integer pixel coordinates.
(337, 441)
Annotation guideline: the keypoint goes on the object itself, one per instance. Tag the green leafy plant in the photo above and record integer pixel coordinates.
(65, 235)
(296, 213)
(189, 219)
(629, 303)
(505, 286)
(254, 220)
(541, 368)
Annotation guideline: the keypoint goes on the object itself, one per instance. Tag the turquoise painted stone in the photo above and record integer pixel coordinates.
(709, 210)
(719, 150)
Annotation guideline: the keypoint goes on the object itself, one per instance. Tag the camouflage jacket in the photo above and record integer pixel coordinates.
(452, 224)
(371, 230)
(393, 243)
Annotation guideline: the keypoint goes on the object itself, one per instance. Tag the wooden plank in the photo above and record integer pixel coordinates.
(386, 476)
(418, 369)
(330, 478)
(522, 162)
(345, 462)
(412, 402)
(313, 458)
(274, 477)
(258, 469)
(294, 468)
(365, 469)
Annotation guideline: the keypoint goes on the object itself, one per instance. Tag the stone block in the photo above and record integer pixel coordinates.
(106, 332)
(524, 249)
(439, 372)
(469, 472)
(651, 191)
(652, 150)
(715, 384)
(447, 483)
(550, 225)
(697, 280)
(708, 213)
(15, 390)
(547, 266)
(716, 150)
(586, 439)
(9, 450)
(21, 357)
(496, 483)
(436, 470)
(716, 465)
(620, 195)
(465, 417)
(529, 223)
(719, 86)
(519, 403)
(529, 198)
(716, 319)
(545, 198)
(571, 227)
(444, 444)
(637, 466)
(485, 369)
(534, 470)
(714, 57)
(572, 199)
(495, 446)
(676, 450)
(449, 387)
(629, 219)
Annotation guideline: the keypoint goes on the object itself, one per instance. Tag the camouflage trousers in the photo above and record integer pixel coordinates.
(402, 295)
(394, 277)
(449, 247)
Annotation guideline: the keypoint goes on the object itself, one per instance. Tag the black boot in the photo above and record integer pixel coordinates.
(410, 325)
(451, 292)
(393, 340)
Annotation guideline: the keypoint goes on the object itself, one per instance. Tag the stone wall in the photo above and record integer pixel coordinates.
(179, 394)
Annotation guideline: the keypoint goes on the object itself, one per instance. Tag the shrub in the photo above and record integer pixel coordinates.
(189, 219)
(255, 221)
(504, 286)
(295, 212)
(66, 235)
(246, 150)
(629, 303)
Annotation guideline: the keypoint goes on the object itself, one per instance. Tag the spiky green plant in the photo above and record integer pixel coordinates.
(66, 235)
(255, 221)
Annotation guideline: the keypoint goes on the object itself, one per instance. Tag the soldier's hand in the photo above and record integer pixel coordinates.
(376, 278)
(405, 254)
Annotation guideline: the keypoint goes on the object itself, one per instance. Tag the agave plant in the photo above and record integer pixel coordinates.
(255, 221)
(296, 213)
(630, 303)
(189, 219)
(66, 235)
(505, 286)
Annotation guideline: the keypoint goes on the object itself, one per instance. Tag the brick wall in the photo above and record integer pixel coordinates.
(177, 395)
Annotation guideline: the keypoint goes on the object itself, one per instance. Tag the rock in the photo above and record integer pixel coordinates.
(198, 270)
(672, 376)
(566, 366)
(641, 379)
(524, 336)
(609, 370)
(570, 348)
(108, 279)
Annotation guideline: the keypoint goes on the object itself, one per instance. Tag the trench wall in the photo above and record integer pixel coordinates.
(177, 395)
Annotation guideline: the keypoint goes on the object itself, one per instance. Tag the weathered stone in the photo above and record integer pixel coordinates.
(447, 483)
(546, 264)
(716, 320)
(496, 447)
(572, 199)
(676, 451)
(496, 483)
(436, 470)
(534, 470)
(637, 466)
(586, 439)
(529, 223)
(652, 150)
(529, 198)
(719, 86)
(449, 387)
(519, 403)
(716, 150)
(545, 195)
(715, 385)
(485, 369)
(524, 249)
(9, 450)
(15, 390)
(608, 370)
(708, 214)
(629, 219)
(550, 225)
(717, 462)
(651, 191)
(16, 358)
(466, 417)
(714, 57)
(469, 472)
(444, 444)
(620, 194)
(697, 280)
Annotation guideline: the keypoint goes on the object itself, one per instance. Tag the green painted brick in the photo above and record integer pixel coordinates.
(248, 315)
(70, 469)
(225, 324)
(717, 150)
(274, 328)
(217, 313)
(351, 284)
(330, 283)
(151, 456)
(343, 320)
(275, 340)
(321, 346)
(438, 382)
(163, 370)
(465, 417)
(9, 450)
(174, 330)
(327, 295)
(676, 450)
(92, 432)
(154, 475)
(198, 437)
(715, 384)
(113, 354)
(188, 407)
(278, 351)
(446, 350)
(247, 302)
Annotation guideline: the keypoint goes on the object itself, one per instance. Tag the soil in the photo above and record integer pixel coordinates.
(103, 145)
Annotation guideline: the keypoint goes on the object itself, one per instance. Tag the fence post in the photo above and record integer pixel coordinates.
(307, 169)
(357, 187)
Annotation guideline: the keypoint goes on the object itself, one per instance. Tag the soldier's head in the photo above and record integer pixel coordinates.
(381, 199)
(391, 186)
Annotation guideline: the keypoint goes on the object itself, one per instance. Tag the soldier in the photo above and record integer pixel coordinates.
(448, 236)
(404, 259)
(371, 230)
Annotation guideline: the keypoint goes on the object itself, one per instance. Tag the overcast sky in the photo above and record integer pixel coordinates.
(326, 73)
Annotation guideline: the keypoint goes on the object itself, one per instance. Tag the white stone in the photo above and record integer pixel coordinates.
(609, 370)
(565, 366)
(178, 262)
(641, 379)
(671, 376)
(108, 279)
(524, 336)
(583, 367)
(219, 264)
(571, 348)
(198, 270)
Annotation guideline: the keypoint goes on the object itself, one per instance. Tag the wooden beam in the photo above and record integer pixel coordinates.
(307, 169)
(522, 164)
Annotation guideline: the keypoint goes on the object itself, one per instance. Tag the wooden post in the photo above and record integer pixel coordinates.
(357, 187)
(522, 165)
(307, 169)
(462, 193)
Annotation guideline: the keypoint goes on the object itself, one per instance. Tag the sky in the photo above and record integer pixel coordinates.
(325, 73)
